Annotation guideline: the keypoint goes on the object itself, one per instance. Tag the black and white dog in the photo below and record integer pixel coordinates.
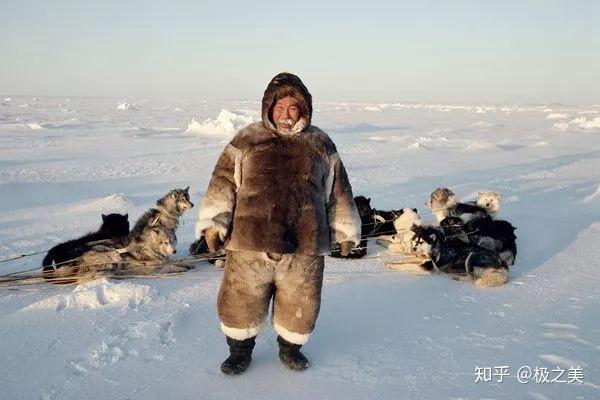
(483, 249)
(374, 222)
(495, 235)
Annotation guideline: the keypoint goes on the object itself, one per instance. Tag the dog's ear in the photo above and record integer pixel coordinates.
(103, 217)
(415, 210)
(126, 216)
(369, 200)
(446, 193)
(428, 204)
(480, 194)
(499, 196)
(187, 189)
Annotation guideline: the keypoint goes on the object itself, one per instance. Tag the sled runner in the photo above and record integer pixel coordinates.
(128, 270)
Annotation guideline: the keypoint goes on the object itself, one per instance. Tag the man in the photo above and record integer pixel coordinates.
(278, 197)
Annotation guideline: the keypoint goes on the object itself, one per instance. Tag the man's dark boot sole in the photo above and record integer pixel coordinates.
(293, 365)
(235, 369)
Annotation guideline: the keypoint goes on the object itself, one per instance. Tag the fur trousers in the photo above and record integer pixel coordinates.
(252, 278)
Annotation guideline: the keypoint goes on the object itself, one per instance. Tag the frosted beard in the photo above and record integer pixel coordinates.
(288, 126)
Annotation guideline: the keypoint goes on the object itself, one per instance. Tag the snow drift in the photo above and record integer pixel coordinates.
(226, 124)
(581, 123)
(126, 106)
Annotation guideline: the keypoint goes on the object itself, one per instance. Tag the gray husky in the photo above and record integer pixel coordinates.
(155, 245)
(165, 215)
(152, 239)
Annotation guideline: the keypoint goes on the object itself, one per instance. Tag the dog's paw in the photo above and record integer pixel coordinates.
(492, 277)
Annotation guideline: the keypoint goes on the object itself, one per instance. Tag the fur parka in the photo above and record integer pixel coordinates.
(281, 193)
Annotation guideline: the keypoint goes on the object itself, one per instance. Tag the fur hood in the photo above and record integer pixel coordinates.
(282, 85)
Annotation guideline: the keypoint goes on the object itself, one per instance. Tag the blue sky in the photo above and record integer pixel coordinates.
(452, 51)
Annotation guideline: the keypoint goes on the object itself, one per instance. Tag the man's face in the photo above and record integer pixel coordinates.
(285, 114)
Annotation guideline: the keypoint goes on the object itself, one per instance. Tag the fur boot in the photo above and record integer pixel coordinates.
(240, 355)
(290, 355)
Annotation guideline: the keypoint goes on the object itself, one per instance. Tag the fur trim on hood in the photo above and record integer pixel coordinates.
(283, 85)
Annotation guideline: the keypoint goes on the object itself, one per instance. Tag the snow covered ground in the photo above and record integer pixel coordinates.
(381, 334)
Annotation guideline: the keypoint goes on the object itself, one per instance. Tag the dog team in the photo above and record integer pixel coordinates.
(466, 240)
(113, 246)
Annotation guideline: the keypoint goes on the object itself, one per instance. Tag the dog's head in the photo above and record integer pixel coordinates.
(490, 200)
(176, 201)
(164, 240)
(441, 198)
(425, 240)
(407, 218)
(115, 224)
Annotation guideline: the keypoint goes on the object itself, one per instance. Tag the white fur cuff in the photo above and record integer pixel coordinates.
(216, 214)
(342, 231)
(292, 337)
(204, 224)
(240, 333)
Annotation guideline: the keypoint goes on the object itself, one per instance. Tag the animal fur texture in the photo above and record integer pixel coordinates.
(363, 205)
(482, 249)
(293, 280)
(113, 226)
(403, 241)
(443, 203)
(278, 201)
(154, 231)
(280, 193)
(166, 215)
(490, 200)
(375, 224)
(151, 240)
(494, 235)
(116, 254)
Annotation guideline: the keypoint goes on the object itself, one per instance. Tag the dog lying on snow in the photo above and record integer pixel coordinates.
(443, 203)
(152, 239)
(375, 223)
(489, 200)
(467, 240)
(457, 248)
(497, 236)
(479, 218)
(117, 255)
(113, 226)
(402, 241)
